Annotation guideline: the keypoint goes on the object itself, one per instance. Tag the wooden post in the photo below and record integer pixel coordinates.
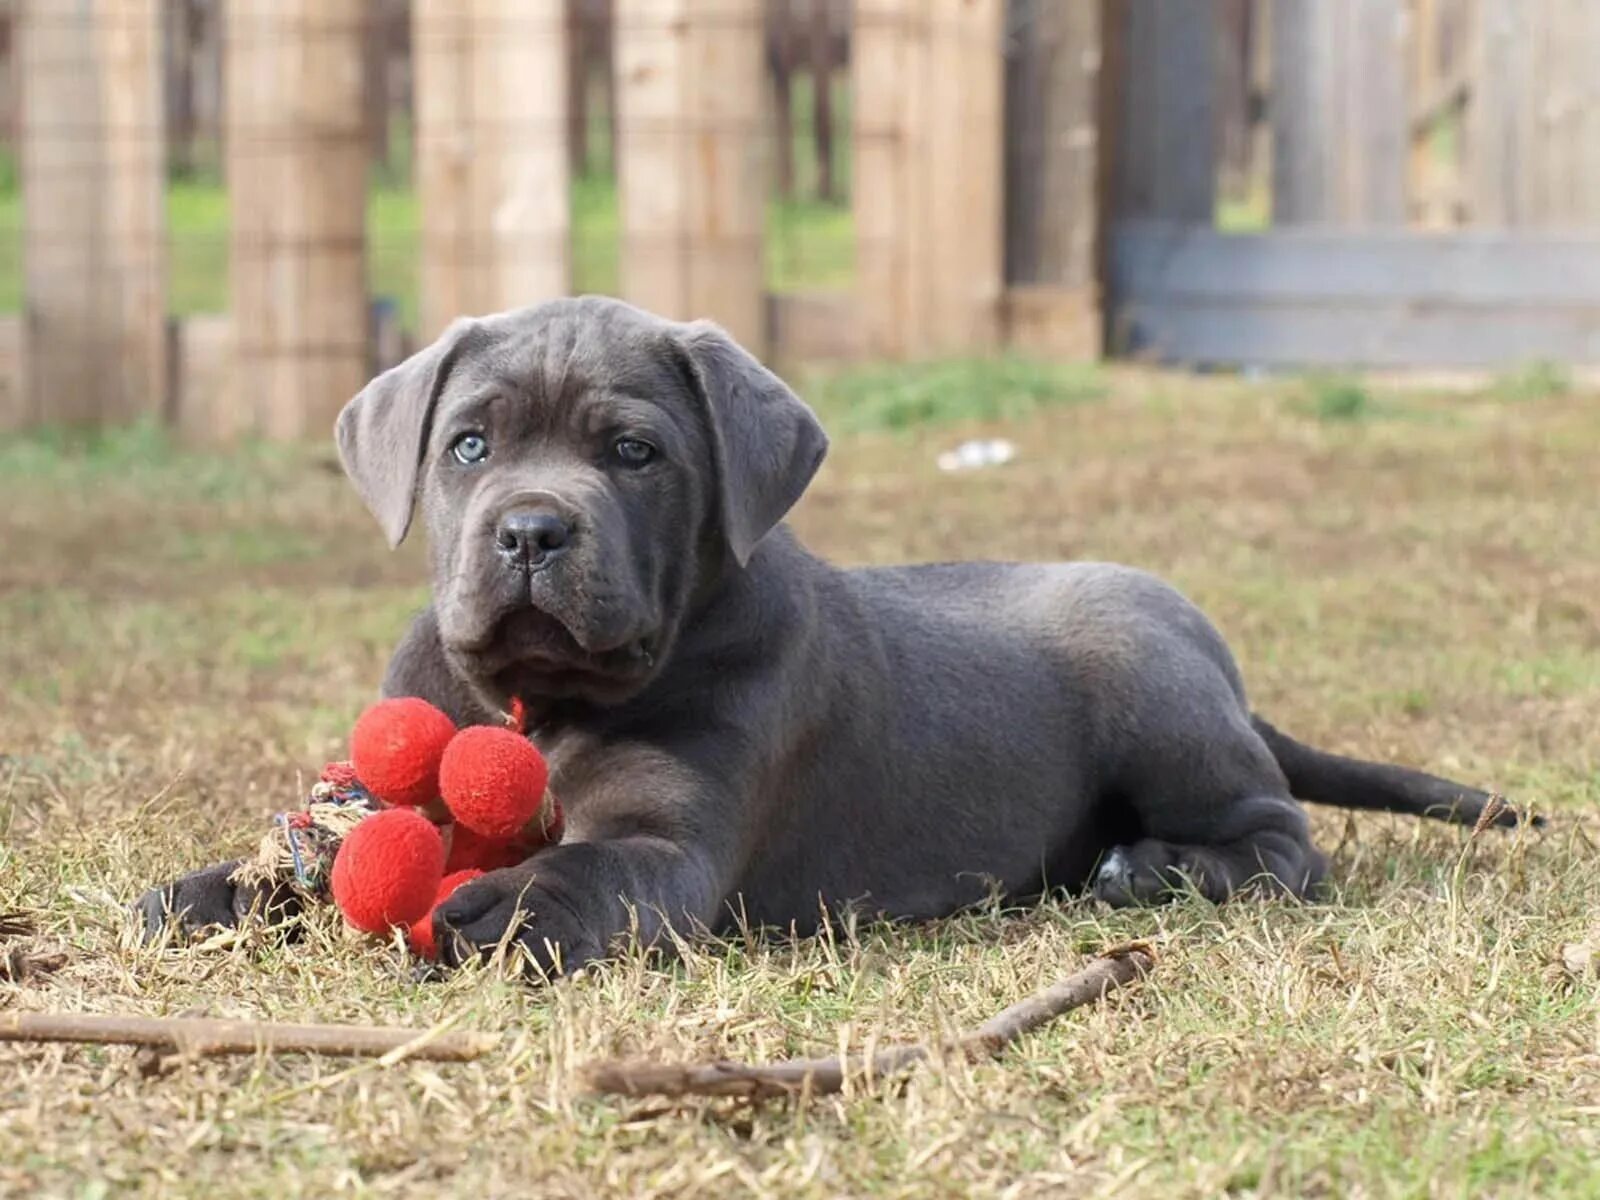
(493, 170)
(822, 97)
(297, 184)
(1167, 91)
(1340, 117)
(579, 23)
(780, 62)
(1053, 167)
(94, 239)
(928, 120)
(1534, 149)
(691, 162)
(1053, 144)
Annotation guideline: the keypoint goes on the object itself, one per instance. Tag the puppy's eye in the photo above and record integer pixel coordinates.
(470, 448)
(632, 452)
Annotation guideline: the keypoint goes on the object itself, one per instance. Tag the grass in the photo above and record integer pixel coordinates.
(187, 637)
(944, 392)
(1338, 398)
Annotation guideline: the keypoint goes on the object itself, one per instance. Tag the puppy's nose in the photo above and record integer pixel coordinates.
(530, 537)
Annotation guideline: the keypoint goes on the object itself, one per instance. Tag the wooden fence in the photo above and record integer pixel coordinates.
(1040, 174)
(1434, 190)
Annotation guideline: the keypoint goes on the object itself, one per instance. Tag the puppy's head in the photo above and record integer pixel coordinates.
(584, 470)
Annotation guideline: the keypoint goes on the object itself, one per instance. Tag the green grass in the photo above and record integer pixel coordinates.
(950, 392)
(1338, 398)
(1532, 381)
(186, 636)
(809, 244)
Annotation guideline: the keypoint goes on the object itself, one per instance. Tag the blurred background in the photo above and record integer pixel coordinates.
(223, 215)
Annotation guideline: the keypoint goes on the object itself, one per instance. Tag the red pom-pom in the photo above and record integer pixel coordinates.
(388, 870)
(396, 747)
(492, 780)
(468, 849)
(421, 933)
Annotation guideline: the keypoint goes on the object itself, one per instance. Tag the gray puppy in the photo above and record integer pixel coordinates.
(740, 731)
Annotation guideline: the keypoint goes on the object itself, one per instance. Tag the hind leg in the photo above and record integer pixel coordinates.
(1215, 814)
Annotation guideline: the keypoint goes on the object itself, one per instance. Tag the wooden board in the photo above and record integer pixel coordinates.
(1326, 298)
(1533, 154)
(202, 366)
(1052, 84)
(1165, 87)
(297, 185)
(92, 158)
(492, 166)
(1052, 322)
(819, 326)
(692, 160)
(927, 180)
(134, 206)
(14, 413)
(1339, 112)
(883, 55)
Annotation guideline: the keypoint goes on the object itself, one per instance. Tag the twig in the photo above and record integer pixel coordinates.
(16, 923)
(196, 1036)
(821, 1076)
(17, 967)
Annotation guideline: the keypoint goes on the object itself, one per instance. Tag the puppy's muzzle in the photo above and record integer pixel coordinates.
(530, 538)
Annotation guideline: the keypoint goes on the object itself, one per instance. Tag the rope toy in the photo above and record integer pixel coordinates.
(419, 809)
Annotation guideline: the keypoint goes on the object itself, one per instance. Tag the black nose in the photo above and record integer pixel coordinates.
(530, 537)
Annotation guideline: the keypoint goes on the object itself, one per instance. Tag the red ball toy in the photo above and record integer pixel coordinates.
(493, 780)
(388, 870)
(396, 747)
(467, 849)
(421, 933)
(395, 866)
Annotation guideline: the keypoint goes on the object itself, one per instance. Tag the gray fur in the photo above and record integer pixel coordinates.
(739, 730)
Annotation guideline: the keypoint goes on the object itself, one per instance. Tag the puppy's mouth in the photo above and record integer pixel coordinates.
(530, 651)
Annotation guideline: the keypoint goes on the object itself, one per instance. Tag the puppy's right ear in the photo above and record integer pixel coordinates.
(383, 432)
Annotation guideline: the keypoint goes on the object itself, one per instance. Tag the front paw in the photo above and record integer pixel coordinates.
(543, 930)
(208, 899)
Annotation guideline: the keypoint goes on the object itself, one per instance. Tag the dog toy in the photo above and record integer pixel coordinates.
(420, 809)
(388, 870)
(492, 781)
(396, 747)
(420, 934)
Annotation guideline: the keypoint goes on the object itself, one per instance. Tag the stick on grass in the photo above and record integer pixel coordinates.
(1114, 968)
(197, 1036)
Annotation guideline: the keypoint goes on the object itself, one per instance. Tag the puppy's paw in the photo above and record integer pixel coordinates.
(511, 908)
(209, 899)
(1146, 872)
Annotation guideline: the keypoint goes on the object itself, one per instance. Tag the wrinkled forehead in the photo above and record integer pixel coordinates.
(560, 353)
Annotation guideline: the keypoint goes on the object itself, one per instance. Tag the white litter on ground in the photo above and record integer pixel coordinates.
(969, 456)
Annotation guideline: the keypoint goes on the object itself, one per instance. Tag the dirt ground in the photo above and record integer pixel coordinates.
(186, 637)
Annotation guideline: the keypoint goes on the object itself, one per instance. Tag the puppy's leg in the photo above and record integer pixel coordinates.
(1216, 815)
(568, 906)
(652, 845)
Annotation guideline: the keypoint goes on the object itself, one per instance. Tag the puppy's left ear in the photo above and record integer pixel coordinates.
(383, 432)
(766, 441)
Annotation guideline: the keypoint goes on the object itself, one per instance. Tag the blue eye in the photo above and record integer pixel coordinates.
(633, 452)
(470, 448)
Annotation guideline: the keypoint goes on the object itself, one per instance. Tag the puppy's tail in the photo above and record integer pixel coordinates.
(1325, 778)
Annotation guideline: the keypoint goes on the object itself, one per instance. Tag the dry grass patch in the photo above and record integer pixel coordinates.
(184, 639)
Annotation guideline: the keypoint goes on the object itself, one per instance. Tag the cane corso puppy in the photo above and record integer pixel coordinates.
(742, 732)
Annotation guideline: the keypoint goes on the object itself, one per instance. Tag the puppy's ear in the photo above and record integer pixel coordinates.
(383, 432)
(766, 441)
